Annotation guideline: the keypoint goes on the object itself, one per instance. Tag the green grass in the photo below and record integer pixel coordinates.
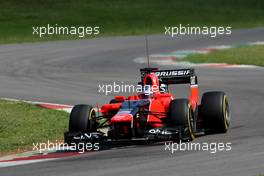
(23, 124)
(249, 55)
(123, 17)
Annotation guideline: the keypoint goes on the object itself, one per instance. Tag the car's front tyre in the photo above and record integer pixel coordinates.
(180, 115)
(215, 112)
(82, 119)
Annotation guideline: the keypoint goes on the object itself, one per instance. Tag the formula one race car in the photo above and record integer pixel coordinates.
(153, 115)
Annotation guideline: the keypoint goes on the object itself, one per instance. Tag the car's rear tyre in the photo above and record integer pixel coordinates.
(215, 112)
(180, 115)
(82, 119)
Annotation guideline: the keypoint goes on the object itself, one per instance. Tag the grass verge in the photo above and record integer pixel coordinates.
(248, 55)
(123, 17)
(22, 124)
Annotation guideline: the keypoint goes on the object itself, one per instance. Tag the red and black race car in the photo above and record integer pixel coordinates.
(153, 115)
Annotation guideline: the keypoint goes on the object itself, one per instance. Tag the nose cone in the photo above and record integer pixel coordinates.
(122, 118)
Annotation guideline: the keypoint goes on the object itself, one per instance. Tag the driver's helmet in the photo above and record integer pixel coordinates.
(147, 91)
(150, 82)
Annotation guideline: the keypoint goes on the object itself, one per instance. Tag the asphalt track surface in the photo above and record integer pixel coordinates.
(70, 71)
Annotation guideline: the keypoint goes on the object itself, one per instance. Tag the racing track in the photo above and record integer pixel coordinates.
(70, 71)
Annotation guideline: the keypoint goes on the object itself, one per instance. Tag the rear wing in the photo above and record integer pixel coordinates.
(175, 76)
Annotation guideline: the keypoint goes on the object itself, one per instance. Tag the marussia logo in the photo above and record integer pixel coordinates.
(173, 73)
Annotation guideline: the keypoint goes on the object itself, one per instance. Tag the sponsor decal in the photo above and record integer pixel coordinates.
(171, 73)
(159, 131)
